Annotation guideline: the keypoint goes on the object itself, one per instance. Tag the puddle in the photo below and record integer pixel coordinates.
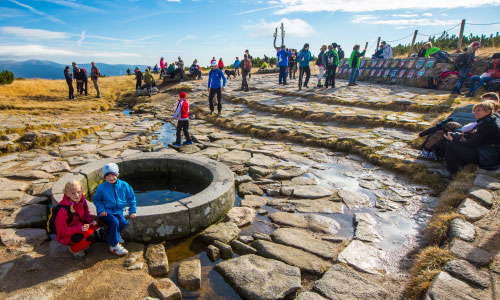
(166, 135)
(126, 112)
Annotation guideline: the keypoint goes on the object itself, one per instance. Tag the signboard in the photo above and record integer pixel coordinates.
(420, 73)
(420, 63)
(402, 63)
(394, 73)
(411, 63)
(380, 72)
(373, 72)
(386, 72)
(387, 63)
(380, 63)
(411, 74)
(430, 63)
(401, 73)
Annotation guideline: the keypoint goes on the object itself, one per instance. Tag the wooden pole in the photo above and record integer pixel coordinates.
(461, 36)
(413, 43)
(378, 43)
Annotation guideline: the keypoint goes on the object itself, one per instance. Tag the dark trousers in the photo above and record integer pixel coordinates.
(182, 125)
(457, 156)
(330, 76)
(211, 95)
(283, 74)
(197, 72)
(290, 71)
(71, 90)
(83, 83)
(244, 83)
(138, 84)
(303, 70)
(237, 71)
(463, 74)
(149, 87)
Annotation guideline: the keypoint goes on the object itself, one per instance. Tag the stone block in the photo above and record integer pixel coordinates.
(157, 260)
(213, 252)
(465, 271)
(461, 229)
(225, 250)
(484, 197)
(165, 289)
(189, 274)
(242, 248)
(472, 210)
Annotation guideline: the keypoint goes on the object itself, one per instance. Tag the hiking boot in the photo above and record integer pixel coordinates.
(469, 95)
(118, 250)
(79, 255)
(350, 84)
(187, 143)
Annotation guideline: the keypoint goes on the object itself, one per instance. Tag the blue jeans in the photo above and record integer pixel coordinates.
(477, 82)
(354, 75)
(116, 223)
(463, 73)
(441, 56)
(283, 74)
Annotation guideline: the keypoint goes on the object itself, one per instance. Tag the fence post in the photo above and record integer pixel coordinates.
(413, 43)
(378, 43)
(461, 36)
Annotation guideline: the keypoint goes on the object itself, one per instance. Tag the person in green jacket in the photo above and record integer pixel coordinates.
(148, 80)
(438, 54)
(354, 64)
(332, 61)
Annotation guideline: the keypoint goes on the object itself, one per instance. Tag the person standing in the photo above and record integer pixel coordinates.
(354, 61)
(69, 81)
(82, 80)
(214, 87)
(138, 78)
(292, 63)
(221, 64)
(246, 67)
(94, 75)
(332, 62)
(162, 67)
(340, 52)
(464, 64)
(128, 72)
(148, 80)
(180, 67)
(251, 61)
(304, 58)
(182, 116)
(282, 59)
(321, 63)
(75, 75)
(237, 66)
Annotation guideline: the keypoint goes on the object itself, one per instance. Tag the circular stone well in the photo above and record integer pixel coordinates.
(170, 220)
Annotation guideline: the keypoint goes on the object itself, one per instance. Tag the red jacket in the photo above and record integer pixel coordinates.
(221, 64)
(182, 110)
(494, 69)
(64, 232)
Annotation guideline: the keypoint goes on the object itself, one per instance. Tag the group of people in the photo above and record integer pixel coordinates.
(80, 75)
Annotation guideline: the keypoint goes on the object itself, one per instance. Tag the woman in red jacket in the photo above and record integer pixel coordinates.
(220, 64)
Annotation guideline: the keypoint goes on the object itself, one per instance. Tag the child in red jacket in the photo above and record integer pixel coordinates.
(182, 116)
(77, 233)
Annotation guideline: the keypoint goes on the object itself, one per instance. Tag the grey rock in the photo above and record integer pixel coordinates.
(213, 252)
(12, 185)
(304, 181)
(11, 195)
(165, 289)
(242, 179)
(189, 274)
(483, 196)
(487, 182)
(363, 257)
(445, 287)
(312, 192)
(258, 278)
(5, 269)
(289, 173)
(260, 160)
(235, 157)
(309, 296)
(82, 159)
(241, 216)
(305, 240)
(262, 212)
(245, 239)
(242, 248)
(354, 199)
(21, 237)
(312, 222)
(472, 210)
(249, 188)
(366, 228)
(341, 283)
(461, 229)
(286, 190)
(55, 167)
(34, 215)
(157, 260)
(260, 171)
(29, 199)
(261, 236)
(317, 206)
(465, 271)
(224, 232)
(470, 253)
(307, 262)
(226, 251)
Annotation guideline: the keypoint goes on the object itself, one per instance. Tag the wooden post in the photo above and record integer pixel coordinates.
(461, 36)
(378, 43)
(413, 43)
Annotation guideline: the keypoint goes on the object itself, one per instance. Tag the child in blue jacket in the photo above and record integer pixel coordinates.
(110, 199)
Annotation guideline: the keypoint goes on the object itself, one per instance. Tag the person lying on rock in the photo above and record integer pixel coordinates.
(110, 199)
(438, 54)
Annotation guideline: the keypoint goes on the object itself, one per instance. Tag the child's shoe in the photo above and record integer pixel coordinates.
(177, 144)
(118, 250)
(79, 255)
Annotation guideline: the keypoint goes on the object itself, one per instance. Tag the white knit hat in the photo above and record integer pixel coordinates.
(110, 168)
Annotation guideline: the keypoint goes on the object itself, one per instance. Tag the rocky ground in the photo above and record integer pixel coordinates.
(332, 198)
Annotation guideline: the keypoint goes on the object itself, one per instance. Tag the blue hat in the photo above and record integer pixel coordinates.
(110, 168)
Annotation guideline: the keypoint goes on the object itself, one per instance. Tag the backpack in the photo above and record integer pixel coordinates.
(432, 83)
(341, 54)
(435, 142)
(51, 220)
(247, 65)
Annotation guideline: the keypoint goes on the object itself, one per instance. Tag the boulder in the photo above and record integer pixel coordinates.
(224, 232)
(354, 199)
(226, 251)
(165, 289)
(245, 239)
(312, 222)
(258, 278)
(5, 269)
(461, 229)
(241, 216)
(189, 274)
(311, 192)
(249, 188)
(213, 252)
(305, 240)
(465, 271)
(444, 286)
(157, 260)
(470, 253)
(363, 257)
(307, 262)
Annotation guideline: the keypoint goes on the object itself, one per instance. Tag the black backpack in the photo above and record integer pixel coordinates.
(51, 220)
(341, 54)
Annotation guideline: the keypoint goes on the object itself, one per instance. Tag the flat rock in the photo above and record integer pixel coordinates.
(31, 174)
(487, 182)
(472, 210)
(249, 188)
(21, 237)
(189, 274)
(29, 199)
(363, 257)
(461, 229)
(465, 271)
(224, 232)
(365, 228)
(483, 196)
(307, 262)
(470, 253)
(318, 206)
(341, 283)
(242, 179)
(157, 260)
(304, 181)
(253, 201)
(246, 239)
(312, 222)
(261, 236)
(241, 216)
(354, 199)
(82, 159)
(11, 195)
(258, 278)
(305, 240)
(258, 172)
(446, 287)
(34, 215)
(165, 289)
(55, 167)
(312, 192)
(260, 160)
(289, 173)
(12, 185)
(309, 296)
(235, 157)
(242, 248)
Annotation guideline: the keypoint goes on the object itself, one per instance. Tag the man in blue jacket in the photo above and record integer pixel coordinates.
(214, 87)
(304, 58)
(237, 67)
(282, 58)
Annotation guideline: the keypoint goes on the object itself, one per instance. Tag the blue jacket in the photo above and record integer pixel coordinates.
(237, 63)
(112, 198)
(282, 57)
(304, 58)
(214, 78)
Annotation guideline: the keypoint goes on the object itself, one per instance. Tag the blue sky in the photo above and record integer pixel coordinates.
(141, 31)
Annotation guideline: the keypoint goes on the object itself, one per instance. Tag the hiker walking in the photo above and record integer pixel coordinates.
(282, 59)
(94, 75)
(304, 58)
(237, 66)
(246, 67)
(69, 81)
(251, 60)
(214, 87)
(292, 64)
(138, 77)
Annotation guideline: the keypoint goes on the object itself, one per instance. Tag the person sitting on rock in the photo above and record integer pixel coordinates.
(438, 54)
(495, 102)
(171, 71)
(379, 53)
(182, 116)
(386, 50)
(110, 200)
(492, 72)
(195, 69)
(481, 147)
(79, 231)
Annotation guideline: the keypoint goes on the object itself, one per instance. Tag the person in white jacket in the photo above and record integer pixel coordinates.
(387, 50)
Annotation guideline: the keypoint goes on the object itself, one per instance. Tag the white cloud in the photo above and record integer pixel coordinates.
(188, 37)
(37, 12)
(39, 50)
(291, 6)
(254, 10)
(73, 4)
(405, 16)
(293, 28)
(82, 38)
(427, 15)
(376, 20)
(33, 33)
(173, 0)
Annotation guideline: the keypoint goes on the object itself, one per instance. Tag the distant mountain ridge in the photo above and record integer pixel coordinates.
(50, 70)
